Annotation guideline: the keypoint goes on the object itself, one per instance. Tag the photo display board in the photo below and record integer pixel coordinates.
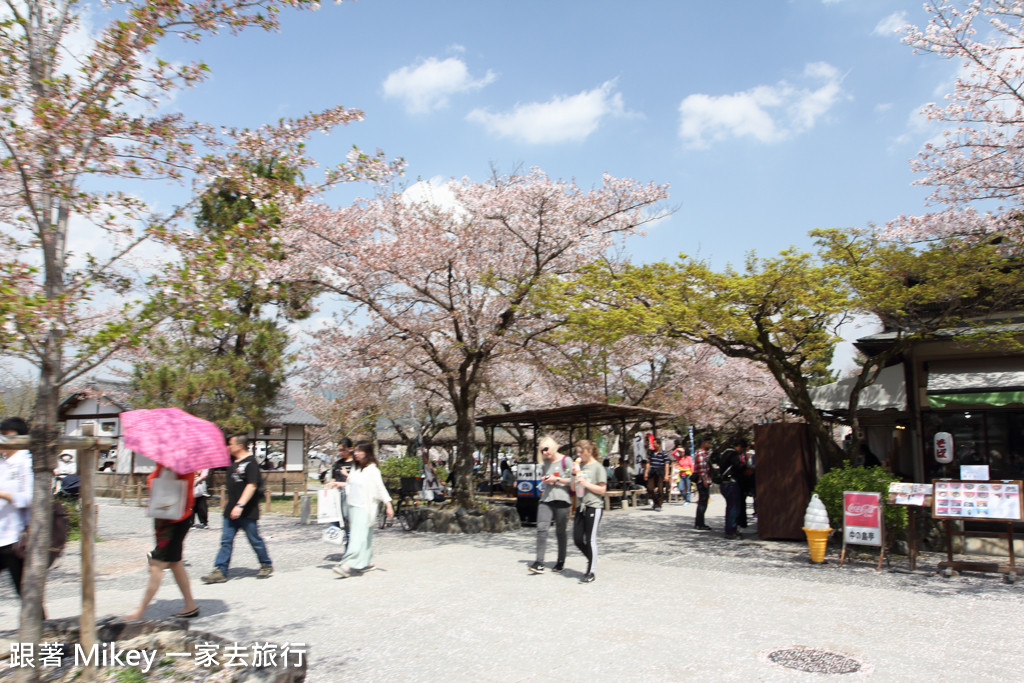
(981, 500)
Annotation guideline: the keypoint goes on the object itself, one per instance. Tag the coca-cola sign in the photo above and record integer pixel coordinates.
(862, 518)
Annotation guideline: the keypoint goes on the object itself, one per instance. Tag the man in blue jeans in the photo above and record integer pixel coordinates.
(242, 512)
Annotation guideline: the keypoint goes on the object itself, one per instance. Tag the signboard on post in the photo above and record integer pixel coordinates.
(862, 518)
(863, 523)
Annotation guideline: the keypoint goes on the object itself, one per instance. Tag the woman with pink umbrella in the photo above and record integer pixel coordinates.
(170, 541)
(182, 445)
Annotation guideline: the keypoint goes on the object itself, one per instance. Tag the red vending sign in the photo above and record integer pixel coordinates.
(862, 518)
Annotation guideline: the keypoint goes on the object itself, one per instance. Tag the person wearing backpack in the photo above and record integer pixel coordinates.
(555, 503)
(15, 499)
(731, 470)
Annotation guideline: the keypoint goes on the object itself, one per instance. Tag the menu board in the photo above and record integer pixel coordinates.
(909, 494)
(982, 500)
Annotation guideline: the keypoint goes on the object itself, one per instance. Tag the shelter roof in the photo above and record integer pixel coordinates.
(593, 414)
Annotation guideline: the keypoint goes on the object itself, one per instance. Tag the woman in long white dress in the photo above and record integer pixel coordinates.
(364, 491)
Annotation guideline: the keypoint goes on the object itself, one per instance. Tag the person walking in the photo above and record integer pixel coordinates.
(656, 474)
(702, 471)
(15, 499)
(170, 542)
(242, 511)
(555, 503)
(201, 493)
(590, 483)
(365, 490)
(339, 474)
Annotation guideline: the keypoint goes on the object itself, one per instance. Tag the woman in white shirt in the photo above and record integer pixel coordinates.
(15, 498)
(364, 490)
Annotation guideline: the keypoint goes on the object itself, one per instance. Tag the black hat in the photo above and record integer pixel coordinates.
(14, 424)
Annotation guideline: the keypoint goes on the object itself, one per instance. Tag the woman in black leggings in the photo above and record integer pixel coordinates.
(591, 481)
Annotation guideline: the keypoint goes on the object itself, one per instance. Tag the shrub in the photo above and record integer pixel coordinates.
(406, 466)
(869, 479)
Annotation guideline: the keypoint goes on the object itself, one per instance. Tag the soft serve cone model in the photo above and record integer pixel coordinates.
(817, 528)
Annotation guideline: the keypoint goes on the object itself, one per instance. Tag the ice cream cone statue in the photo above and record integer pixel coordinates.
(817, 528)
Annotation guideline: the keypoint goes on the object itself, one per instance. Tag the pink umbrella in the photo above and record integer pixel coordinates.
(175, 439)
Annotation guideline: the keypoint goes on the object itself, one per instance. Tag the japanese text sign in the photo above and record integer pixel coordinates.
(862, 518)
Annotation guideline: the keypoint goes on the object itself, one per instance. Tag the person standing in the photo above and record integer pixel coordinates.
(684, 461)
(242, 511)
(15, 499)
(170, 542)
(732, 466)
(201, 493)
(702, 471)
(656, 474)
(365, 491)
(555, 503)
(590, 483)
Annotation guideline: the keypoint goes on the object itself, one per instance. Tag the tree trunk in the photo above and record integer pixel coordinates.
(464, 485)
(44, 460)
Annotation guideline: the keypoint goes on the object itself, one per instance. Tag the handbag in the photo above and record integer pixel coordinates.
(199, 489)
(168, 496)
(328, 506)
(333, 535)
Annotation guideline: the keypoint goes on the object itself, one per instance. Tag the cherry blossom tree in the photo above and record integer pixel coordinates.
(83, 123)
(975, 170)
(446, 282)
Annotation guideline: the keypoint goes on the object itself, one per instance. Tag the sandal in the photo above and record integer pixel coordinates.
(187, 614)
(344, 572)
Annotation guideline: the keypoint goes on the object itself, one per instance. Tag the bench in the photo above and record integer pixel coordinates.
(633, 495)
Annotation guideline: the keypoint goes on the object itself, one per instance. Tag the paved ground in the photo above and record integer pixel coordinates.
(669, 604)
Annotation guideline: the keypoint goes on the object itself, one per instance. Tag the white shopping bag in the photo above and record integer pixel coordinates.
(328, 506)
(168, 496)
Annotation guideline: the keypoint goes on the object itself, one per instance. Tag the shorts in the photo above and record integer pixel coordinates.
(170, 539)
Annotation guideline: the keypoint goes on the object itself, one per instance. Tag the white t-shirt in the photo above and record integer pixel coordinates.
(15, 478)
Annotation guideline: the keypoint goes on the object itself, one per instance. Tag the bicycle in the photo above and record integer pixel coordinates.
(406, 498)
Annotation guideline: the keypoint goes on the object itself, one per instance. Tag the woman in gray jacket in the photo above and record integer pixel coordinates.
(555, 503)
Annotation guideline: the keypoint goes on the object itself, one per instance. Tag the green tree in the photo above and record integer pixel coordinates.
(227, 363)
(780, 312)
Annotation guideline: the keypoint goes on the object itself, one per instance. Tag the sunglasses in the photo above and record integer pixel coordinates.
(544, 450)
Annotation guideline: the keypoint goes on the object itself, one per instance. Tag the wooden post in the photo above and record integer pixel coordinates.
(87, 474)
(124, 491)
(223, 496)
(266, 500)
(138, 495)
(295, 503)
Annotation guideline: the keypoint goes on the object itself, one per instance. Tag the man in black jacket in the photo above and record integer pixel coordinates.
(731, 468)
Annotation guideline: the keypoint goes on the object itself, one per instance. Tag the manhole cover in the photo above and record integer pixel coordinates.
(814, 661)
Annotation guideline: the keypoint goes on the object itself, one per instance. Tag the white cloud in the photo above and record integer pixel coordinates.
(426, 86)
(891, 24)
(561, 119)
(766, 113)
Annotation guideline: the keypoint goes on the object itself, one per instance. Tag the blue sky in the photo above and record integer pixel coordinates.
(767, 118)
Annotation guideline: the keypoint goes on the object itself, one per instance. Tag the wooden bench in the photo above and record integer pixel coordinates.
(633, 496)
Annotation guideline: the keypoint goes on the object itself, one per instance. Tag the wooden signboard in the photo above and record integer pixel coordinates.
(863, 522)
(978, 501)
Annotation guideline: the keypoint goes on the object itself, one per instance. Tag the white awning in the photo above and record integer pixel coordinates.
(976, 382)
(976, 374)
(889, 392)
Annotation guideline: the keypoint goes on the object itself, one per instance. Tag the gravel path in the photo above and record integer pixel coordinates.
(464, 607)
